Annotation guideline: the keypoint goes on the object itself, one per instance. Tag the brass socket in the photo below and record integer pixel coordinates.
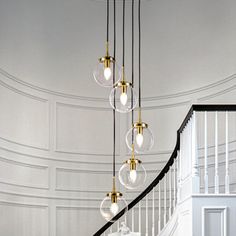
(123, 83)
(106, 58)
(107, 63)
(140, 130)
(132, 162)
(114, 196)
(140, 126)
(124, 89)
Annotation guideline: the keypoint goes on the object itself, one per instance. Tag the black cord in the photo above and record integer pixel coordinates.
(139, 50)
(114, 112)
(107, 20)
(132, 76)
(123, 60)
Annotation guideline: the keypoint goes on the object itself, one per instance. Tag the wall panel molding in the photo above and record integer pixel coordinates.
(9, 203)
(76, 160)
(72, 117)
(187, 93)
(18, 216)
(20, 92)
(23, 174)
(32, 112)
(218, 215)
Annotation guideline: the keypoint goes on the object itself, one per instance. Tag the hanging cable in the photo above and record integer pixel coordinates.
(123, 59)
(108, 21)
(139, 50)
(132, 99)
(114, 112)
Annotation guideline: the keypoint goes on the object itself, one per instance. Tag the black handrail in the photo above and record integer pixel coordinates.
(197, 107)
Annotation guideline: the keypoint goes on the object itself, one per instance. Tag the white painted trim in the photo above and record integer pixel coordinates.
(214, 195)
(222, 209)
(20, 92)
(10, 203)
(154, 98)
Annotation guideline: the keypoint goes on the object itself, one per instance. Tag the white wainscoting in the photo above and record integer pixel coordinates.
(74, 221)
(23, 219)
(24, 174)
(24, 118)
(84, 130)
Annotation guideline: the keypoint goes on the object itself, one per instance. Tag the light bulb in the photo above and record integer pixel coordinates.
(123, 99)
(107, 73)
(139, 139)
(133, 175)
(114, 208)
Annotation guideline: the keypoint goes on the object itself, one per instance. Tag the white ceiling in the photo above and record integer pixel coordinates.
(55, 44)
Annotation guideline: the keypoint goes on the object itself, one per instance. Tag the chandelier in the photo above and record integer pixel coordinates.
(123, 99)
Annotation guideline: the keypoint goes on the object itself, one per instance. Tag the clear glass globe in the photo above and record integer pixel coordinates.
(143, 141)
(132, 178)
(123, 97)
(124, 230)
(103, 74)
(109, 209)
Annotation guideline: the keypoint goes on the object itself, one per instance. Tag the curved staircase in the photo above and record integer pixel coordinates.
(195, 192)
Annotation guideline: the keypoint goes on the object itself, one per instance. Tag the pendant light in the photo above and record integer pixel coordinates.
(104, 70)
(143, 137)
(123, 97)
(114, 201)
(132, 174)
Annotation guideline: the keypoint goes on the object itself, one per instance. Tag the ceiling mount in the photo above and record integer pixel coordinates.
(120, 0)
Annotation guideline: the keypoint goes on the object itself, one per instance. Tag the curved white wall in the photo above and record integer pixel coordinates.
(55, 153)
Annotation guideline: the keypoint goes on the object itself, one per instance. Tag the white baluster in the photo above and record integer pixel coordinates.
(170, 193)
(179, 172)
(126, 218)
(118, 225)
(159, 209)
(205, 154)
(132, 219)
(174, 187)
(111, 229)
(146, 215)
(139, 217)
(216, 155)
(153, 212)
(165, 208)
(226, 153)
(195, 171)
(180, 166)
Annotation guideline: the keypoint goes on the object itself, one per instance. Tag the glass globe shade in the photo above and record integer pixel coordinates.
(143, 141)
(132, 179)
(109, 209)
(124, 230)
(103, 74)
(123, 98)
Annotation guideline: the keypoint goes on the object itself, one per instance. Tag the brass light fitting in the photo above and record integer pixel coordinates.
(123, 84)
(114, 194)
(132, 162)
(140, 125)
(107, 59)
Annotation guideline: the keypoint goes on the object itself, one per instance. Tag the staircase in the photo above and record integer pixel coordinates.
(195, 193)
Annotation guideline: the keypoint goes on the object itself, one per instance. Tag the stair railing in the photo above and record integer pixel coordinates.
(180, 177)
